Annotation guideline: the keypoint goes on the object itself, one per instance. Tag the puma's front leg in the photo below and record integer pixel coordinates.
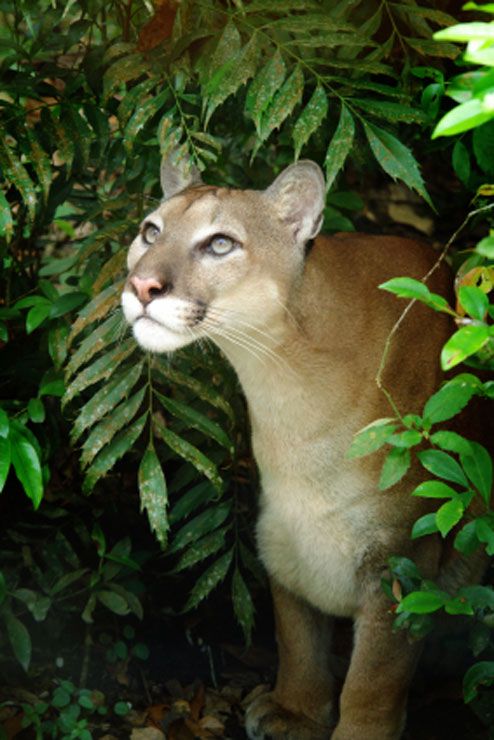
(374, 696)
(299, 708)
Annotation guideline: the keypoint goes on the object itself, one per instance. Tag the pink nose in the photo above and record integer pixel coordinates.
(147, 288)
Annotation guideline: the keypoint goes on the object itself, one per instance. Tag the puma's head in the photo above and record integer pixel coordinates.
(212, 260)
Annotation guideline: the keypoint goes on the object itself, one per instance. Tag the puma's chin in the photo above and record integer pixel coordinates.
(155, 337)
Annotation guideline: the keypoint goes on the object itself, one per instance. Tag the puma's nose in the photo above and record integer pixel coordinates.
(149, 288)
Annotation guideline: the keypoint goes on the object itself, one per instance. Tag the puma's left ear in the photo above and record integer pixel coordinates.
(177, 173)
(298, 195)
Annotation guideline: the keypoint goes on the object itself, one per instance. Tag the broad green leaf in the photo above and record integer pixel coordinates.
(209, 580)
(424, 526)
(36, 315)
(466, 32)
(396, 159)
(481, 597)
(67, 580)
(188, 502)
(484, 531)
(67, 303)
(132, 99)
(188, 452)
(57, 343)
(372, 437)
(483, 144)
(458, 605)
(105, 399)
(127, 68)
(4, 460)
(451, 441)
(394, 468)
(263, 88)
(16, 174)
(101, 369)
(464, 343)
(283, 103)
(339, 146)
(466, 541)
(429, 48)
(104, 432)
(201, 549)
(407, 439)
(462, 118)
(480, 674)
(450, 399)
(27, 465)
(461, 162)
(434, 489)
(485, 247)
(477, 464)
(19, 638)
(422, 602)
(231, 76)
(114, 602)
(405, 287)
(448, 515)
(474, 301)
(204, 523)
(107, 458)
(196, 420)
(443, 465)
(310, 119)
(393, 112)
(142, 115)
(242, 604)
(99, 339)
(4, 424)
(36, 410)
(153, 493)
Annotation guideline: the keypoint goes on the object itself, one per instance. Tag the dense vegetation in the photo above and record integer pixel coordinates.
(91, 99)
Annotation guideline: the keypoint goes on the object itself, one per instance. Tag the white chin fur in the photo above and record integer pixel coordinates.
(157, 338)
(168, 330)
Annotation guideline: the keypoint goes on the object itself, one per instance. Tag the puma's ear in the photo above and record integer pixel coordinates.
(298, 195)
(177, 173)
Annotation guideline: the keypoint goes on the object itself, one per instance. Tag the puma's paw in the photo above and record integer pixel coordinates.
(266, 718)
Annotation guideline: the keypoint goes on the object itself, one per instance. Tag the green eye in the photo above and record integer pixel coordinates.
(150, 233)
(220, 245)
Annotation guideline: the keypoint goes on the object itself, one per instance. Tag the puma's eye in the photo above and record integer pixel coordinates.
(150, 233)
(220, 245)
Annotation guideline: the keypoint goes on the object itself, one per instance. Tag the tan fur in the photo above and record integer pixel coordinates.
(306, 338)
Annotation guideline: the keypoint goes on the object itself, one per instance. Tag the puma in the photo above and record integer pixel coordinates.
(304, 330)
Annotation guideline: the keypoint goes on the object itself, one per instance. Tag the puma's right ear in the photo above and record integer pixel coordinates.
(298, 195)
(177, 173)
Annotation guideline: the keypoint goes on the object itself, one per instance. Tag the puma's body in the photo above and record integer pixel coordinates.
(305, 335)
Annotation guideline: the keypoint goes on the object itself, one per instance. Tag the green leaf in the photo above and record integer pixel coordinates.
(474, 301)
(483, 146)
(480, 674)
(4, 460)
(448, 401)
(430, 48)
(36, 410)
(434, 489)
(37, 315)
(6, 220)
(484, 532)
(105, 399)
(16, 173)
(203, 523)
(424, 526)
(209, 580)
(242, 605)
(282, 104)
(394, 468)
(396, 159)
(464, 343)
(27, 465)
(340, 145)
(405, 287)
(310, 119)
(422, 602)
(127, 68)
(409, 438)
(104, 432)
(4, 424)
(448, 515)
(144, 112)
(196, 420)
(113, 452)
(462, 118)
(263, 88)
(372, 437)
(202, 493)
(485, 247)
(204, 391)
(99, 307)
(458, 605)
(466, 32)
(201, 549)
(19, 639)
(188, 452)
(461, 162)
(393, 112)
(97, 340)
(114, 602)
(443, 466)
(41, 164)
(466, 541)
(154, 495)
(477, 464)
(67, 303)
